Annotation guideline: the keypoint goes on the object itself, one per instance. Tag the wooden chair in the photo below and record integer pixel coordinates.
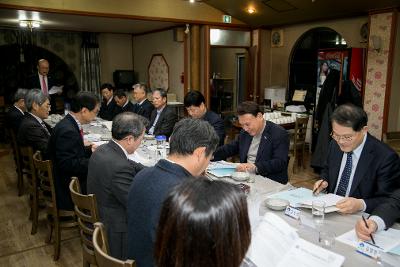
(87, 213)
(392, 139)
(17, 159)
(28, 170)
(298, 142)
(58, 219)
(101, 250)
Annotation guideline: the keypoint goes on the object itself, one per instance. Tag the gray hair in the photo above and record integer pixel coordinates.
(34, 96)
(190, 134)
(127, 123)
(140, 86)
(20, 94)
(161, 91)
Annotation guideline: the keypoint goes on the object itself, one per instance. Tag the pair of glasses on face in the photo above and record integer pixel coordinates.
(344, 138)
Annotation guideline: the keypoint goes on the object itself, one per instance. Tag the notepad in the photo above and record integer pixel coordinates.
(221, 168)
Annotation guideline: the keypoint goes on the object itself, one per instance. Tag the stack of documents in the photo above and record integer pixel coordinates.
(221, 168)
(276, 243)
(303, 197)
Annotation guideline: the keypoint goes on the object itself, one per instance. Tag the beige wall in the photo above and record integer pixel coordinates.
(160, 43)
(276, 63)
(394, 107)
(115, 54)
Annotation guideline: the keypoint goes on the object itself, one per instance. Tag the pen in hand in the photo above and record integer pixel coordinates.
(314, 192)
(366, 225)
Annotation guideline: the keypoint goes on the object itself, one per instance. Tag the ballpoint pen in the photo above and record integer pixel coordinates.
(314, 192)
(366, 225)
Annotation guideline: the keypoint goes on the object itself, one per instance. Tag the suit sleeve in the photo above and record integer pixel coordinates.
(228, 150)
(219, 127)
(390, 211)
(167, 125)
(278, 162)
(33, 135)
(67, 156)
(388, 177)
(325, 170)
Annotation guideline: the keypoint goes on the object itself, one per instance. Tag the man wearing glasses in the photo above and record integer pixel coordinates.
(358, 167)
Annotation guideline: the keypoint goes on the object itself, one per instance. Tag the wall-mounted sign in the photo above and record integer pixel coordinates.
(227, 19)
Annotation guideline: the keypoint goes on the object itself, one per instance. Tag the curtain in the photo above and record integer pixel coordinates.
(90, 63)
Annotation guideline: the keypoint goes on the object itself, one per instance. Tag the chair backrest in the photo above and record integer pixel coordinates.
(87, 213)
(44, 169)
(101, 250)
(27, 165)
(300, 130)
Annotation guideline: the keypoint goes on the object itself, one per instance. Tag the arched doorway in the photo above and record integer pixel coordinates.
(303, 66)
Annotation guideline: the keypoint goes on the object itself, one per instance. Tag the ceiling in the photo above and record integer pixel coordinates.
(272, 13)
(269, 13)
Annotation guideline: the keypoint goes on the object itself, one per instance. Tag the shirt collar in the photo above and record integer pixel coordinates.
(19, 109)
(77, 122)
(141, 102)
(123, 149)
(161, 109)
(109, 100)
(262, 130)
(358, 150)
(37, 118)
(126, 103)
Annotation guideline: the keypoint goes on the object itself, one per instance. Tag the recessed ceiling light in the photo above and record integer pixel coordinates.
(251, 10)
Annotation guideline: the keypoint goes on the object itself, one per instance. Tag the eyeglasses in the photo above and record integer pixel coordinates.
(345, 138)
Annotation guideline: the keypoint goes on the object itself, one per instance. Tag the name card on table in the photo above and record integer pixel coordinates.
(369, 250)
(293, 212)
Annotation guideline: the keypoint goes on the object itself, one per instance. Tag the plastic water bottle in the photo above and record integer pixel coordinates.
(161, 149)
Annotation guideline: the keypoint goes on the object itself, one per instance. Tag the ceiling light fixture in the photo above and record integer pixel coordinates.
(30, 24)
(251, 10)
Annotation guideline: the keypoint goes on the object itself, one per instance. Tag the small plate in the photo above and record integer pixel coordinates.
(240, 176)
(276, 203)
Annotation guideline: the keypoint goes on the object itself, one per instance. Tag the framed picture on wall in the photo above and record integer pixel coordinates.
(158, 71)
(276, 38)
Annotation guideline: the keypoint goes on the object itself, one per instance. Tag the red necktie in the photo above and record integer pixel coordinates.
(81, 131)
(44, 85)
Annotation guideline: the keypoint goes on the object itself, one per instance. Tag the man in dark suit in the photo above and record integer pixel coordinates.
(41, 80)
(122, 101)
(33, 131)
(16, 112)
(110, 182)
(359, 167)
(163, 118)
(109, 108)
(195, 105)
(143, 106)
(263, 146)
(67, 149)
(383, 217)
(191, 147)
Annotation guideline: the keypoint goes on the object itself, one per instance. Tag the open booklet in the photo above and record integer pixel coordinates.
(276, 243)
(221, 168)
(303, 197)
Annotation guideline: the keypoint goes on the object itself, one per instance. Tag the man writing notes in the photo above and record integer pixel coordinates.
(383, 217)
(143, 106)
(110, 174)
(262, 146)
(163, 118)
(195, 105)
(68, 151)
(359, 167)
(122, 101)
(191, 147)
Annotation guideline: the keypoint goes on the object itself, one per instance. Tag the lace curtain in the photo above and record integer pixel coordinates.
(90, 63)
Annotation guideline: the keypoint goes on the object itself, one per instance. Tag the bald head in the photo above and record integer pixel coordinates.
(43, 67)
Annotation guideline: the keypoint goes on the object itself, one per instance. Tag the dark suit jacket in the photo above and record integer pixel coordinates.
(109, 176)
(127, 107)
(217, 123)
(32, 133)
(377, 173)
(389, 211)
(272, 155)
(148, 190)
(108, 112)
(144, 109)
(14, 118)
(166, 121)
(70, 158)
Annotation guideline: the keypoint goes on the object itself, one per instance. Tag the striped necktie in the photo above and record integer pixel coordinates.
(344, 180)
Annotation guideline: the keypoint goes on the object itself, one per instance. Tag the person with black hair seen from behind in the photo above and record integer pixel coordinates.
(143, 106)
(109, 109)
(111, 173)
(33, 131)
(122, 101)
(203, 223)
(192, 144)
(163, 117)
(67, 149)
(195, 105)
(16, 112)
(359, 167)
(263, 146)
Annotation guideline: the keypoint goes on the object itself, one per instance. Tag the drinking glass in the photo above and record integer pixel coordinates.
(318, 212)
(327, 239)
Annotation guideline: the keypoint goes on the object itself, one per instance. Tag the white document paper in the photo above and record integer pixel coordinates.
(275, 243)
(56, 89)
(386, 240)
(222, 164)
(107, 124)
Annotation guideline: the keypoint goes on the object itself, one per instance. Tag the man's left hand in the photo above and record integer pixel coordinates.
(243, 167)
(350, 205)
